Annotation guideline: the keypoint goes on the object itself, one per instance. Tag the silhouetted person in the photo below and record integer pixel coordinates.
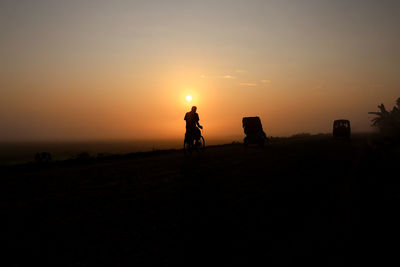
(192, 122)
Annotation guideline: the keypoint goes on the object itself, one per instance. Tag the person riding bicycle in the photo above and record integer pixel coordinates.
(192, 122)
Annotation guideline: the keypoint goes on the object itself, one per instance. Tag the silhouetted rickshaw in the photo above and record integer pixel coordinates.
(341, 129)
(254, 132)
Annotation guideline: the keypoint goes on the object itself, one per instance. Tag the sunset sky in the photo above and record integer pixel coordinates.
(91, 70)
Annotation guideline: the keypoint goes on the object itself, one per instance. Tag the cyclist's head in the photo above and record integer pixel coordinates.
(194, 108)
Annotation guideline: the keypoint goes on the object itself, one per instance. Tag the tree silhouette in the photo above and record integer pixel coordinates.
(388, 122)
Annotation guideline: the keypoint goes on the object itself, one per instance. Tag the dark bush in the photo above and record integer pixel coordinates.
(83, 156)
(388, 122)
(42, 157)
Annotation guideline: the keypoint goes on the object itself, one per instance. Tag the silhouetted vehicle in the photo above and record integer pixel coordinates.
(190, 143)
(341, 129)
(254, 132)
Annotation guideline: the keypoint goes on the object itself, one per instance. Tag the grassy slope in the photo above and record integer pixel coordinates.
(310, 199)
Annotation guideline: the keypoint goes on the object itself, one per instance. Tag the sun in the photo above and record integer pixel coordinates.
(188, 98)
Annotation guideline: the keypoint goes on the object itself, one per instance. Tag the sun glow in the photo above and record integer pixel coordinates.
(188, 98)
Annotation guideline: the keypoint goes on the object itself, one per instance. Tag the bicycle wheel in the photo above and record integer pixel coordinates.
(202, 143)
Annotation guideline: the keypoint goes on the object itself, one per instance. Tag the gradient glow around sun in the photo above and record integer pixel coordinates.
(188, 98)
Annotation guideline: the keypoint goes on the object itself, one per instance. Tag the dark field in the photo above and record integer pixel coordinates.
(310, 200)
(21, 152)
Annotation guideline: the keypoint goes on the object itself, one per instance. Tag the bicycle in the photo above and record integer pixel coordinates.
(190, 143)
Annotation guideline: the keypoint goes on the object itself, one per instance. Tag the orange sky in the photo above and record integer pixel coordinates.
(79, 70)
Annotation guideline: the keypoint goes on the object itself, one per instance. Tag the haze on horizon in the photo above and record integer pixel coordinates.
(74, 70)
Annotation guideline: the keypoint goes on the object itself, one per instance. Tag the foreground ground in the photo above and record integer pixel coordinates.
(309, 200)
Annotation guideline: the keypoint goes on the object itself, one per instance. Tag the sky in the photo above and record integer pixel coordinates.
(96, 70)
